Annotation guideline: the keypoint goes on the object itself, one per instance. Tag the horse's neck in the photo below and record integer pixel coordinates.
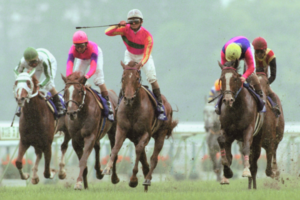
(88, 101)
(35, 106)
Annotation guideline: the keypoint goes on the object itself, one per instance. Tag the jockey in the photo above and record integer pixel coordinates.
(215, 90)
(264, 58)
(239, 48)
(44, 62)
(88, 53)
(139, 44)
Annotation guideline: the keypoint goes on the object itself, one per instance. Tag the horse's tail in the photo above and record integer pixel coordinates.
(172, 126)
(176, 109)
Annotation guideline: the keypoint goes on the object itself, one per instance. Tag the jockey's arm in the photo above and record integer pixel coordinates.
(115, 30)
(47, 72)
(70, 64)
(249, 60)
(272, 70)
(148, 49)
(19, 68)
(93, 65)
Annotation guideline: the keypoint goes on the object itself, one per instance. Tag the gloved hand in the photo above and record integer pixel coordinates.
(84, 79)
(122, 23)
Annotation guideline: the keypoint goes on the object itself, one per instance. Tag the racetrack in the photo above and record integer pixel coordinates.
(287, 188)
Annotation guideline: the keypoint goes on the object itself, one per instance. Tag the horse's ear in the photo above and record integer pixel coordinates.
(221, 66)
(63, 78)
(82, 80)
(123, 65)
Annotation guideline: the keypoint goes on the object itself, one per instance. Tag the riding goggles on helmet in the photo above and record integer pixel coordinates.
(136, 21)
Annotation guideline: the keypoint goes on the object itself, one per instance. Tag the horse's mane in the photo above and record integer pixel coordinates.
(74, 76)
(35, 81)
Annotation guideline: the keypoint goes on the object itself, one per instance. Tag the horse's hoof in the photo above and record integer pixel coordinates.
(35, 181)
(269, 173)
(62, 175)
(78, 186)
(224, 181)
(25, 176)
(52, 173)
(146, 188)
(246, 173)
(133, 184)
(99, 175)
(115, 179)
(147, 182)
(106, 172)
(227, 172)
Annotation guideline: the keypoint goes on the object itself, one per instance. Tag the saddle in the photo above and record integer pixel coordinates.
(51, 104)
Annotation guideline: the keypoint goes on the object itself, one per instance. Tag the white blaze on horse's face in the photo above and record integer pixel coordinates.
(130, 75)
(227, 78)
(71, 90)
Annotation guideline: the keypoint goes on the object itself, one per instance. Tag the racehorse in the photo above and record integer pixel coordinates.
(272, 131)
(37, 126)
(86, 125)
(212, 127)
(239, 111)
(136, 118)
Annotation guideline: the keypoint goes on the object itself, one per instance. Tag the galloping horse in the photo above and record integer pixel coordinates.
(238, 117)
(37, 126)
(272, 131)
(136, 119)
(86, 125)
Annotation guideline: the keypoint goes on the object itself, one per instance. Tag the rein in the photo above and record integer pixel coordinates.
(80, 106)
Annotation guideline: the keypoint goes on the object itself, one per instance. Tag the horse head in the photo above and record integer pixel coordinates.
(263, 79)
(131, 82)
(231, 83)
(211, 119)
(74, 93)
(25, 87)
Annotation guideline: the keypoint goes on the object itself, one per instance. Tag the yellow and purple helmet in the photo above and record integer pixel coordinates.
(233, 52)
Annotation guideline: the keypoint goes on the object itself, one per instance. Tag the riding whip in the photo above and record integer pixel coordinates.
(82, 27)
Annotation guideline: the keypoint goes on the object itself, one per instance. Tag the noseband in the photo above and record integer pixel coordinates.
(80, 106)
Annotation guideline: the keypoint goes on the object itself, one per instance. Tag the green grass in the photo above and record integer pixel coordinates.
(267, 189)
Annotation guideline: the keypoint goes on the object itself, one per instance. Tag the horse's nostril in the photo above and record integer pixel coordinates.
(22, 98)
(231, 100)
(132, 99)
(224, 100)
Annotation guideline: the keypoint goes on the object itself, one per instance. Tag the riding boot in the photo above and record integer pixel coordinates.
(275, 108)
(258, 90)
(18, 113)
(58, 105)
(160, 107)
(110, 111)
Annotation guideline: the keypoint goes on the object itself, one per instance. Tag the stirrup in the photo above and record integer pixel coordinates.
(110, 117)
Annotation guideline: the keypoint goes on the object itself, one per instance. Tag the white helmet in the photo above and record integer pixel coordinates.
(134, 13)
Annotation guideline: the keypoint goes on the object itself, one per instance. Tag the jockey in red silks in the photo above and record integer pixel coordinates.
(139, 44)
(44, 63)
(239, 48)
(264, 58)
(88, 54)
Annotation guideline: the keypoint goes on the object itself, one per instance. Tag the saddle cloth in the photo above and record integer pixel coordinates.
(51, 104)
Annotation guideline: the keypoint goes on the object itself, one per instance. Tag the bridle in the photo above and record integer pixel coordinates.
(80, 106)
(137, 90)
(234, 94)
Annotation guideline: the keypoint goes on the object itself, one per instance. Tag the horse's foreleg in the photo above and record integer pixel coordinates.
(89, 143)
(99, 174)
(247, 141)
(35, 177)
(120, 137)
(145, 165)
(139, 148)
(64, 147)
(256, 149)
(48, 173)
(275, 170)
(114, 177)
(22, 149)
(226, 156)
(158, 145)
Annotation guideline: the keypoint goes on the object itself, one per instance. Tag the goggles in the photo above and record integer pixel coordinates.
(81, 45)
(136, 21)
(32, 62)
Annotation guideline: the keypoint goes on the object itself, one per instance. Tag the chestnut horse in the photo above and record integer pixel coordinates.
(272, 131)
(37, 126)
(135, 119)
(238, 118)
(85, 123)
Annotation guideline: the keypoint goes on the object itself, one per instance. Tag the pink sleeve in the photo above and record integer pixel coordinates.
(70, 61)
(223, 59)
(249, 60)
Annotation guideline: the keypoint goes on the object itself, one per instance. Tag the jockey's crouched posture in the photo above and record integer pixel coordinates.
(139, 44)
(44, 62)
(239, 48)
(88, 54)
(264, 58)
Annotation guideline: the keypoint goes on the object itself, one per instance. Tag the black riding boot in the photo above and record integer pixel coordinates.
(58, 105)
(110, 111)
(275, 108)
(160, 107)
